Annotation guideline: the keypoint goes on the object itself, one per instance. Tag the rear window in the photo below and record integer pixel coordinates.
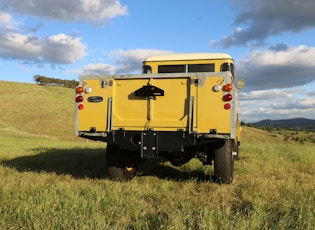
(147, 69)
(186, 68)
(225, 67)
(172, 69)
(201, 68)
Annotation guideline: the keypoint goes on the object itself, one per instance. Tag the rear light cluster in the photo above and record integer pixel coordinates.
(79, 97)
(227, 96)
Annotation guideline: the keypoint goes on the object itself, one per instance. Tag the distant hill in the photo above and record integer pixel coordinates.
(37, 110)
(295, 123)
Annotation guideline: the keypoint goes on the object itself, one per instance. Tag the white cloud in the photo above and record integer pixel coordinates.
(62, 49)
(296, 103)
(90, 5)
(99, 11)
(7, 22)
(277, 104)
(124, 61)
(271, 80)
(264, 95)
(262, 113)
(272, 69)
(16, 44)
(57, 49)
(299, 56)
(131, 60)
(95, 69)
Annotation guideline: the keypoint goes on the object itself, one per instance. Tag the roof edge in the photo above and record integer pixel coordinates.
(188, 56)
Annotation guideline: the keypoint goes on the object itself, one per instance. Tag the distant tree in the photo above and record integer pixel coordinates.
(36, 78)
(41, 80)
(243, 123)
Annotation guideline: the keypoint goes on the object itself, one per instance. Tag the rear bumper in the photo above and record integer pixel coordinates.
(150, 142)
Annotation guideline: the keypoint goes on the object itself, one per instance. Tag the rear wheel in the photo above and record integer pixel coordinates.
(224, 162)
(121, 165)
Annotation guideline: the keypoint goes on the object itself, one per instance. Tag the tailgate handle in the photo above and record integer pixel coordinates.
(149, 91)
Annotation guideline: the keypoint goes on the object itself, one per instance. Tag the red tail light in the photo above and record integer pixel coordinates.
(227, 97)
(79, 98)
(227, 106)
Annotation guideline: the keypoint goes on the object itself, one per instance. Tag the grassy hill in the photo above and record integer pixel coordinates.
(37, 110)
(52, 180)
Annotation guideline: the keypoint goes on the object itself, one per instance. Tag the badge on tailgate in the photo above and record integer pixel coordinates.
(95, 99)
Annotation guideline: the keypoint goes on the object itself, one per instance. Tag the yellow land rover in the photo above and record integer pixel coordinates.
(182, 106)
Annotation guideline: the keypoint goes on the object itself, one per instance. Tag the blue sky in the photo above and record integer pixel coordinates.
(272, 42)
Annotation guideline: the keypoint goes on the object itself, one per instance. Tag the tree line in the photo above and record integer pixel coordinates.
(42, 80)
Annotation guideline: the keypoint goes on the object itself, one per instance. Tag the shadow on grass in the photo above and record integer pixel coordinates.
(78, 162)
(164, 170)
(91, 163)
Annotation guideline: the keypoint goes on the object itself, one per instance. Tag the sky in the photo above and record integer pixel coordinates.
(271, 41)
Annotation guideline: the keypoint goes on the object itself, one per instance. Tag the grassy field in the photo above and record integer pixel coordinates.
(52, 180)
(42, 111)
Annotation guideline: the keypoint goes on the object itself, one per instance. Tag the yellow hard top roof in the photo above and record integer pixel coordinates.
(189, 56)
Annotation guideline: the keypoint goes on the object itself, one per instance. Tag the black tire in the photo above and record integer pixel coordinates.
(121, 165)
(224, 162)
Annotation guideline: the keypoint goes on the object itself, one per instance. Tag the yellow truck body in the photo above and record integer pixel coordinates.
(184, 112)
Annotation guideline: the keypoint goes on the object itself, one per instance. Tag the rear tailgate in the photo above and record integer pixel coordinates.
(162, 102)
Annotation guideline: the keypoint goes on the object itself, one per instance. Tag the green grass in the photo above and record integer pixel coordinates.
(43, 111)
(50, 180)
